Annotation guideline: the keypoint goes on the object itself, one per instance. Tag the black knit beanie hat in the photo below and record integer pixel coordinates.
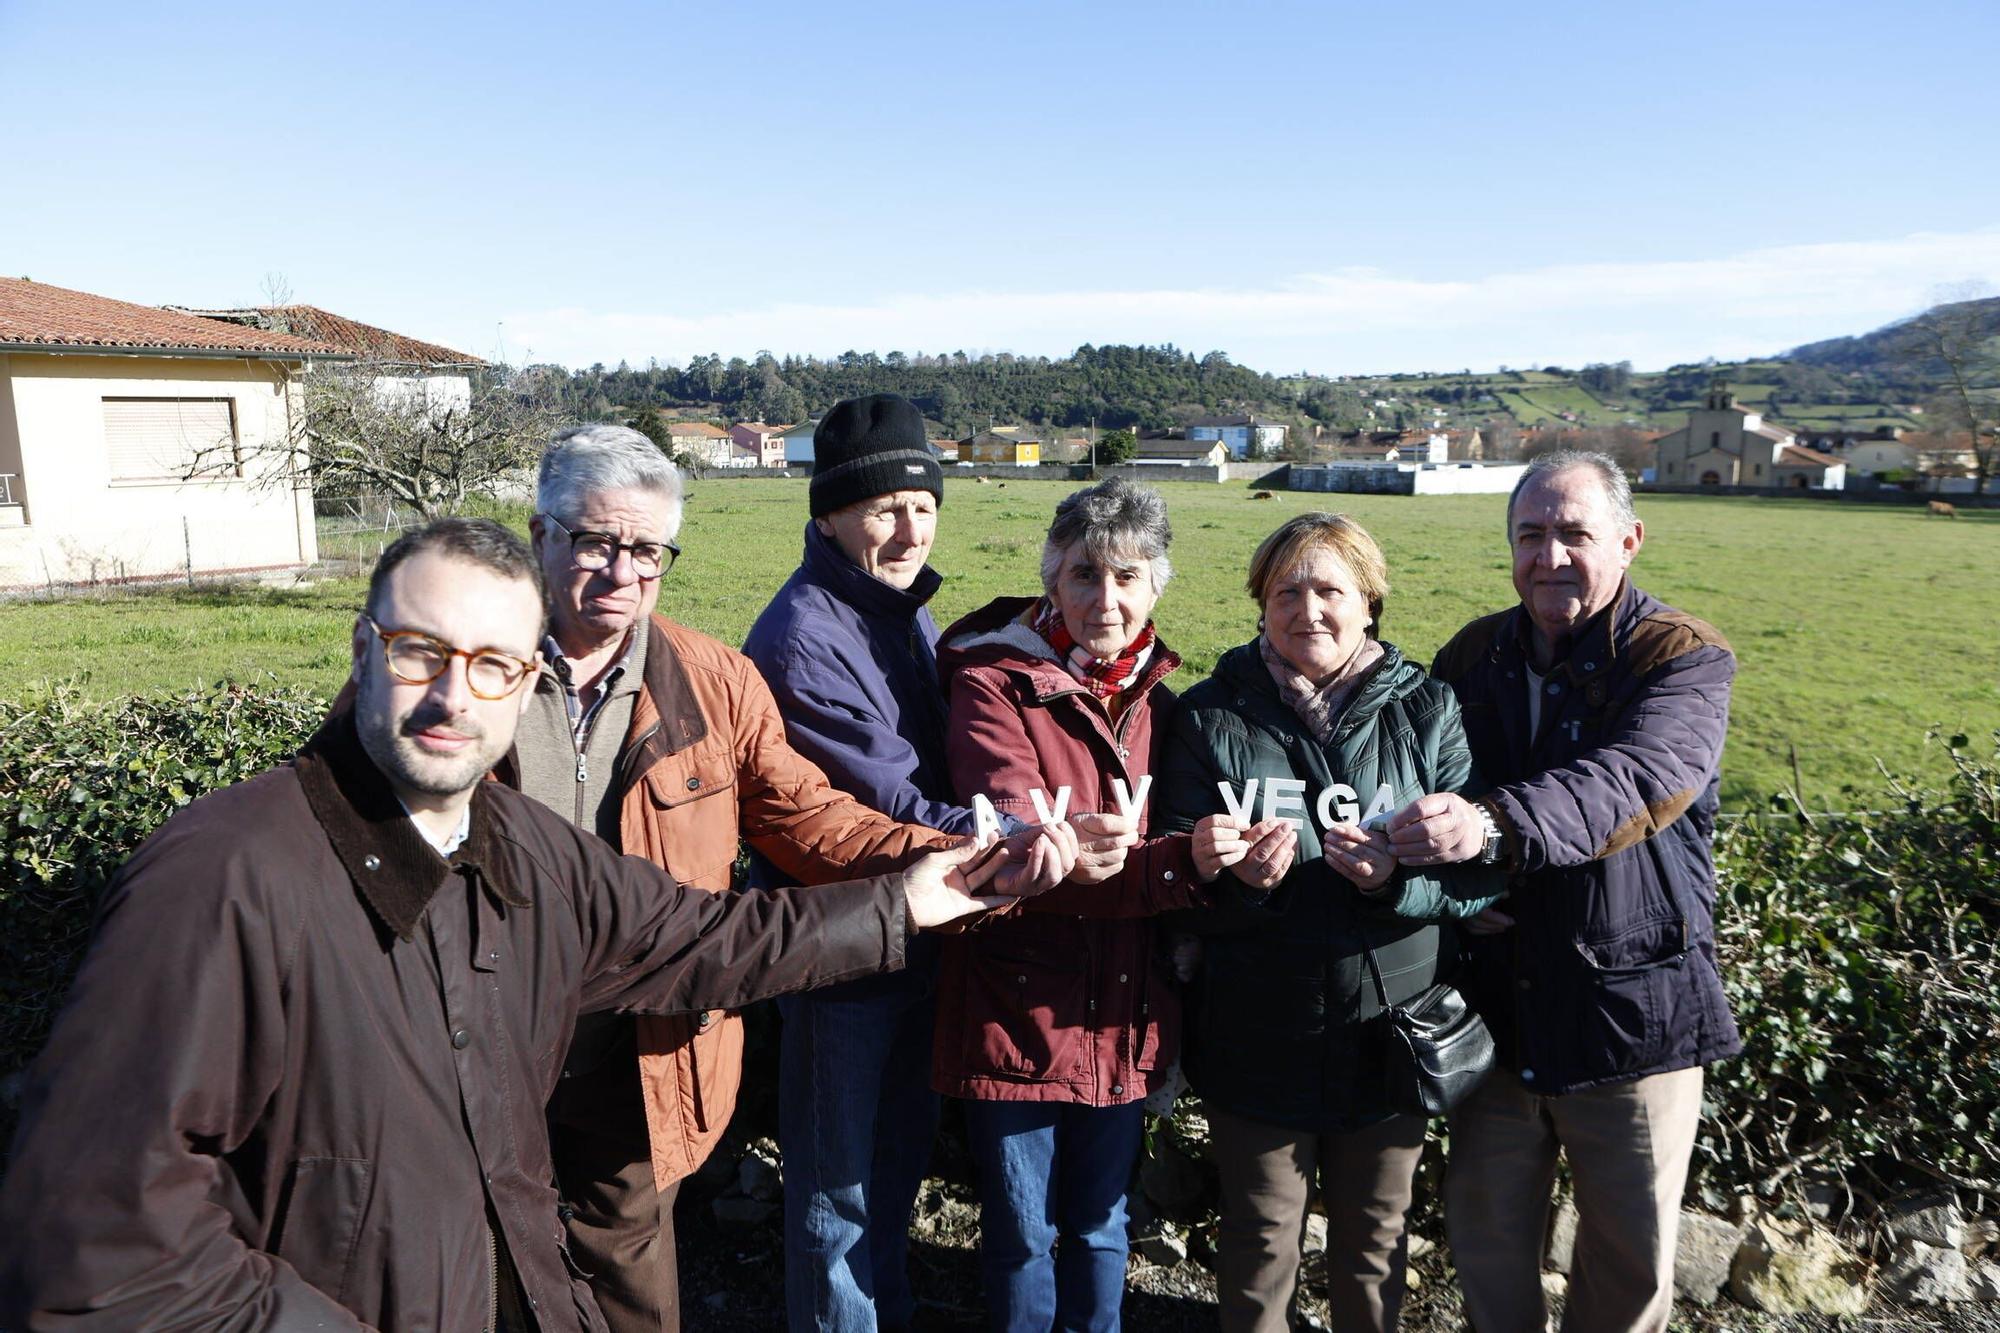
(871, 446)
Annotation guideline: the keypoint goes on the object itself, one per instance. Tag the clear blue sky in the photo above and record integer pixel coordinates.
(1333, 187)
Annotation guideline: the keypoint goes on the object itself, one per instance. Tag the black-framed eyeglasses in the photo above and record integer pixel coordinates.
(417, 658)
(598, 550)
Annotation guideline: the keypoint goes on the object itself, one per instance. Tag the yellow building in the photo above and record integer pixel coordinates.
(1017, 446)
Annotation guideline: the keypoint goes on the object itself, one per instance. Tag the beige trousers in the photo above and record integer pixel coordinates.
(1268, 1172)
(1628, 1146)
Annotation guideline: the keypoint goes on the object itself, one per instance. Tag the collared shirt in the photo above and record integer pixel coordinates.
(583, 713)
(569, 740)
(447, 844)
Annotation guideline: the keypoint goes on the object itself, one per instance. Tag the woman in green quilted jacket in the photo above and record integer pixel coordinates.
(1336, 729)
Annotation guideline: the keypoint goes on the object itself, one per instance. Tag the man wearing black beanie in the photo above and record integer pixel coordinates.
(850, 653)
(868, 447)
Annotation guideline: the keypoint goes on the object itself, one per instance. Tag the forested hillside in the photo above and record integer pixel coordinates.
(1860, 383)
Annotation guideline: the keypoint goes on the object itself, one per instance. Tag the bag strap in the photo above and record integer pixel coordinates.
(1374, 970)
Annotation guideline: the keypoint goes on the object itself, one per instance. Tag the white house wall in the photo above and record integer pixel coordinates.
(79, 526)
(438, 393)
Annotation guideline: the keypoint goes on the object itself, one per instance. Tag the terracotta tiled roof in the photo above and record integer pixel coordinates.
(349, 335)
(34, 314)
(698, 429)
(1794, 456)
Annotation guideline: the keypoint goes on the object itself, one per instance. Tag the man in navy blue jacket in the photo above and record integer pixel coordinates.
(1598, 714)
(850, 653)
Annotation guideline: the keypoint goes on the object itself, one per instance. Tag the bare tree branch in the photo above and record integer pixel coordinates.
(369, 428)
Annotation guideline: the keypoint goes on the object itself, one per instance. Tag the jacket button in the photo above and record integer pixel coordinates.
(1554, 688)
(1525, 984)
(1121, 978)
(371, 862)
(1020, 981)
(460, 1039)
(1590, 666)
(1168, 876)
(1527, 1075)
(694, 784)
(1117, 1089)
(701, 1019)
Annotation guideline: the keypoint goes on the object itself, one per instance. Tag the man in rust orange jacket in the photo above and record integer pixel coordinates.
(668, 745)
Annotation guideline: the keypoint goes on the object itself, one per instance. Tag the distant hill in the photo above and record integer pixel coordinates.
(1881, 354)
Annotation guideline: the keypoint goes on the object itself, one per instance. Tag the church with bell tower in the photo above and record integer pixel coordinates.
(1726, 444)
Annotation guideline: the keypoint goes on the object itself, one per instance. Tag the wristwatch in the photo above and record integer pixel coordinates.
(1494, 847)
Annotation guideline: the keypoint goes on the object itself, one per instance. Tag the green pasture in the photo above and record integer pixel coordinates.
(1857, 627)
(1549, 402)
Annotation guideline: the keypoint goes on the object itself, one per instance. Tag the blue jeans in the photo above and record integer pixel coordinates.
(1052, 1178)
(856, 1120)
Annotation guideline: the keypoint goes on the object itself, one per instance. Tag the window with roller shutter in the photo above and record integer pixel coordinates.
(171, 439)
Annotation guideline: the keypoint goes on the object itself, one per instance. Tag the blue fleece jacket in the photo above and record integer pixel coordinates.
(852, 663)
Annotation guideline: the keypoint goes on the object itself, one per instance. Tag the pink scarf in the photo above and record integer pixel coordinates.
(1318, 706)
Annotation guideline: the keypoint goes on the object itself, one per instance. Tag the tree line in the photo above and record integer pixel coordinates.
(1111, 387)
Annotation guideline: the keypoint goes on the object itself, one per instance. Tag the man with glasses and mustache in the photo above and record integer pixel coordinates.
(666, 744)
(299, 1081)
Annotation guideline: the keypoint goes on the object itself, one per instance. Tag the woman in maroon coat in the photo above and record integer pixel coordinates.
(1057, 1021)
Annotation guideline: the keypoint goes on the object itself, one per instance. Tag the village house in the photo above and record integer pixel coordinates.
(140, 444)
(797, 442)
(1017, 446)
(1724, 444)
(406, 370)
(1175, 451)
(1387, 446)
(1245, 436)
(703, 444)
(1066, 449)
(758, 445)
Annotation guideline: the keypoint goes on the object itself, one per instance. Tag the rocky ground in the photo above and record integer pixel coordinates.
(732, 1279)
(729, 1220)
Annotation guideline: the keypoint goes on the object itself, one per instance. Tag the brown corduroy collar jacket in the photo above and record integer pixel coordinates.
(299, 1080)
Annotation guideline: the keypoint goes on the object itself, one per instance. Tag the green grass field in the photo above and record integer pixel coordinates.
(1857, 627)
(1549, 403)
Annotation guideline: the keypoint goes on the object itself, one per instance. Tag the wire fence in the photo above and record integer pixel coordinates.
(353, 531)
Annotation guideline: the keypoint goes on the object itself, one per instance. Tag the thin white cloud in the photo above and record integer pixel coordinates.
(1348, 320)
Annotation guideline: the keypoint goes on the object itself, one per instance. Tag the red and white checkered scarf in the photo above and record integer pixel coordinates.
(1103, 677)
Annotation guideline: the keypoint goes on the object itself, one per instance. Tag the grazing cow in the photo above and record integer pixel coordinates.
(1263, 495)
(1943, 508)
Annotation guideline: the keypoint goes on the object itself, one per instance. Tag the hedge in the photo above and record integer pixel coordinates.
(81, 785)
(1859, 951)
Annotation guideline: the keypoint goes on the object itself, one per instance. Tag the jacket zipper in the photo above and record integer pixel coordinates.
(493, 1277)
